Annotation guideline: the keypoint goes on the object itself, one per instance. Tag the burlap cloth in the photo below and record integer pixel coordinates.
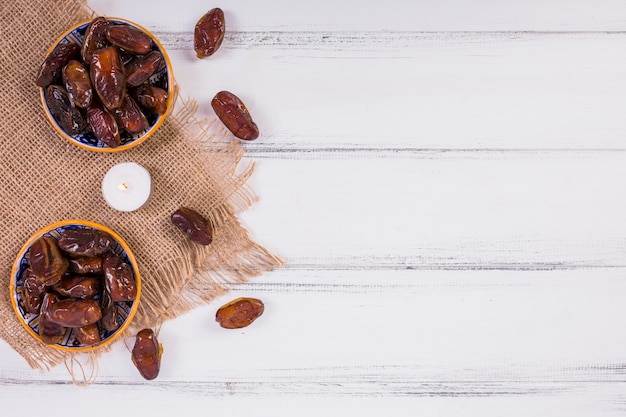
(44, 179)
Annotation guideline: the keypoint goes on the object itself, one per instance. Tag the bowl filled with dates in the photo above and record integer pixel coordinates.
(75, 285)
(106, 84)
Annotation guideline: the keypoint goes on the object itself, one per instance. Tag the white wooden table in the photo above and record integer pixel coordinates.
(446, 182)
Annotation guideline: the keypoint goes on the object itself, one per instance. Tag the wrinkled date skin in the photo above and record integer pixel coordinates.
(49, 331)
(209, 33)
(107, 77)
(110, 320)
(130, 117)
(153, 99)
(129, 39)
(79, 286)
(119, 279)
(33, 291)
(54, 63)
(146, 354)
(88, 335)
(239, 313)
(85, 265)
(95, 38)
(74, 312)
(235, 116)
(85, 242)
(69, 118)
(141, 68)
(197, 228)
(103, 125)
(78, 83)
(46, 260)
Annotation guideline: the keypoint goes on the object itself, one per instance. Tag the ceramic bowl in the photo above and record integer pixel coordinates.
(163, 78)
(30, 321)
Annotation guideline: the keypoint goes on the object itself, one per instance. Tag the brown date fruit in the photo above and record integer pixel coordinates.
(85, 265)
(85, 242)
(130, 117)
(33, 291)
(95, 38)
(146, 354)
(46, 260)
(74, 312)
(209, 33)
(69, 118)
(239, 313)
(142, 68)
(126, 57)
(52, 66)
(151, 98)
(78, 286)
(88, 335)
(110, 320)
(235, 116)
(77, 83)
(197, 228)
(49, 331)
(107, 77)
(103, 125)
(129, 39)
(119, 279)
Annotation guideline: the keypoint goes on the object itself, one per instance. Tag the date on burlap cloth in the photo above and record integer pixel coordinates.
(44, 179)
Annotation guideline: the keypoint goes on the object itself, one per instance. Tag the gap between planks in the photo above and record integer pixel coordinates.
(278, 150)
(386, 380)
(356, 41)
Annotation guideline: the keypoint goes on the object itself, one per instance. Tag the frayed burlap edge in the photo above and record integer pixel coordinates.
(199, 273)
(196, 273)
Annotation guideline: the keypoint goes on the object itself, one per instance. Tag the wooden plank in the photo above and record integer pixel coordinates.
(490, 340)
(586, 401)
(409, 92)
(425, 15)
(410, 89)
(414, 325)
(509, 210)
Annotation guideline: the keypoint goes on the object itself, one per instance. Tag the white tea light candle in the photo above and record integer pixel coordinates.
(126, 186)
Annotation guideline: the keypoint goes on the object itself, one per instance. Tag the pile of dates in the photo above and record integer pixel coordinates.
(102, 85)
(76, 283)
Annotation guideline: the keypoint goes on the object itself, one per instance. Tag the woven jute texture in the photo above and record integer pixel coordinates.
(45, 179)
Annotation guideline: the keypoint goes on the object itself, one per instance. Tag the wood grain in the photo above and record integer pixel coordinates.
(408, 92)
(455, 211)
(393, 15)
(445, 183)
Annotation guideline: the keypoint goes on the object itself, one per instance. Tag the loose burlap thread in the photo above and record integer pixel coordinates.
(44, 179)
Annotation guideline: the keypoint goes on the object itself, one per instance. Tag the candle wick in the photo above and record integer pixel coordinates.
(123, 186)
